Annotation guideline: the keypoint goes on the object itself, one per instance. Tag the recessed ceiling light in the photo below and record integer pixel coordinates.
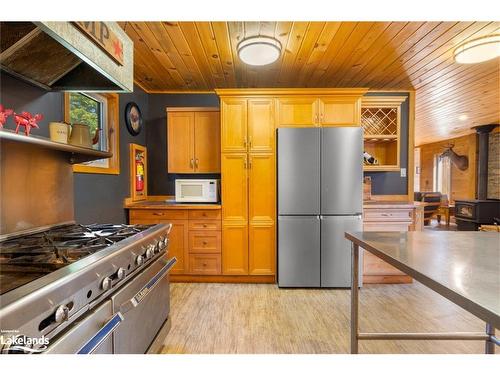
(463, 117)
(259, 50)
(478, 50)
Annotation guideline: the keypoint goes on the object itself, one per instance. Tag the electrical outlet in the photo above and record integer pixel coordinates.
(403, 172)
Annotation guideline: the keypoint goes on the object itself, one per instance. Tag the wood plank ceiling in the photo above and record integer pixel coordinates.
(201, 56)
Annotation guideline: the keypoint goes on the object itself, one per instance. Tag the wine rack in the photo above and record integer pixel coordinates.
(381, 122)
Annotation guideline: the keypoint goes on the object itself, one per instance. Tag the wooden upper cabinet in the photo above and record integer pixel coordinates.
(340, 111)
(261, 125)
(193, 138)
(207, 142)
(180, 142)
(234, 125)
(297, 111)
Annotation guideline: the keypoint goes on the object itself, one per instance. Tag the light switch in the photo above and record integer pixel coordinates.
(403, 172)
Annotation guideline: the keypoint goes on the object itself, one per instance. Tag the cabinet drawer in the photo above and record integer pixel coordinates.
(205, 264)
(387, 215)
(204, 225)
(158, 214)
(204, 214)
(205, 242)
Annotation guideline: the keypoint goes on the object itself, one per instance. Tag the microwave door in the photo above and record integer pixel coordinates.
(192, 191)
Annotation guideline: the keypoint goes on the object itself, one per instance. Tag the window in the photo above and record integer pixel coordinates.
(442, 175)
(100, 113)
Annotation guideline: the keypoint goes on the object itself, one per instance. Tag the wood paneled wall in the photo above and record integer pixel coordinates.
(463, 183)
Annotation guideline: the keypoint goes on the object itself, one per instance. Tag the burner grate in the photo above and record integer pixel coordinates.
(45, 252)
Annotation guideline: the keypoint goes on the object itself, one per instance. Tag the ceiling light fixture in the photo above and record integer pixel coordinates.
(463, 117)
(478, 50)
(259, 50)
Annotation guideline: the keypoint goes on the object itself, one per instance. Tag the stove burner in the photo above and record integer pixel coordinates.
(35, 255)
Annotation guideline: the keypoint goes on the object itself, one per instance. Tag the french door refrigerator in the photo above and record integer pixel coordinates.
(320, 172)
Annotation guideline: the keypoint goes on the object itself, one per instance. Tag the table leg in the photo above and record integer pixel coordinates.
(354, 298)
(489, 345)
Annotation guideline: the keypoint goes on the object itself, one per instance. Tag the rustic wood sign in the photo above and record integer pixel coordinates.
(104, 37)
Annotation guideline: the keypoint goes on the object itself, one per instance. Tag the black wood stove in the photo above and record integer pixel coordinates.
(470, 214)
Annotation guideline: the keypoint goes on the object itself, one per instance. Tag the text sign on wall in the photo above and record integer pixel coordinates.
(104, 37)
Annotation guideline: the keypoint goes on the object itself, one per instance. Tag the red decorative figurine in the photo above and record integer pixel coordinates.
(27, 120)
(4, 114)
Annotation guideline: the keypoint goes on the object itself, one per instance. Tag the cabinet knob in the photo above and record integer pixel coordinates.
(204, 225)
(204, 242)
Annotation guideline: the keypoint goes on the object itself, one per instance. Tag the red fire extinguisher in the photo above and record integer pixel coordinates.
(139, 172)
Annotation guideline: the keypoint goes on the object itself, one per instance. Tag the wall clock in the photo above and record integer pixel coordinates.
(133, 118)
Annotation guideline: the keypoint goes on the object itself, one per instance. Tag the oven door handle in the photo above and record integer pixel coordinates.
(139, 297)
(90, 346)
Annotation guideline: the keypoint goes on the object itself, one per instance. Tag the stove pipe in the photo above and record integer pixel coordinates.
(482, 159)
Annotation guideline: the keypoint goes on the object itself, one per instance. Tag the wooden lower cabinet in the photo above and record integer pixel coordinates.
(261, 212)
(204, 264)
(375, 270)
(235, 248)
(261, 252)
(195, 238)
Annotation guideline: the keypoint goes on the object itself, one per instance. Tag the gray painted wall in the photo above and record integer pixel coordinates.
(98, 198)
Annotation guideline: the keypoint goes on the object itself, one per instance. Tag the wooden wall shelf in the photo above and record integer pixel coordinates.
(76, 154)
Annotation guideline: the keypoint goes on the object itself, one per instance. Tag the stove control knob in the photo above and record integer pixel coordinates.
(106, 283)
(157, 245)
(120, 274)
(61, 314)
(150, 251)
(139, 260)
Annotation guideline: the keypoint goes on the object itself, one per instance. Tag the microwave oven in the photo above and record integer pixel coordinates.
(194, 191)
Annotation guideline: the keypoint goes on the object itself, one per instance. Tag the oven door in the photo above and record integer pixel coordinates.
(145, 305)
(91, 335)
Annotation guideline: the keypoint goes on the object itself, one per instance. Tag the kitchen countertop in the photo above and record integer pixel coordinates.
(388, 204)
(171, 205)
(464, 267)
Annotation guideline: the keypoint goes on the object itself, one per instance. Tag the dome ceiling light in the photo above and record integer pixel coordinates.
(478, 50)
(259, 50)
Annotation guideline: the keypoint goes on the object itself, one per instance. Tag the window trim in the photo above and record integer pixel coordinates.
(113, 121)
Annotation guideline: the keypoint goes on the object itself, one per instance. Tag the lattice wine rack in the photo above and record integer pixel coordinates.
(379, 121)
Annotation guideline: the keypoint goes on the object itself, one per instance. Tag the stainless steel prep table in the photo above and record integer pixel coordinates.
(463, 267)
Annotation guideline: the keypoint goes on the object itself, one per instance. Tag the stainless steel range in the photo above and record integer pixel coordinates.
(70, 288)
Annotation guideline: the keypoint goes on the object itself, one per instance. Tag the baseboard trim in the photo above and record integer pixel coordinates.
(223, 279)
(387, 279)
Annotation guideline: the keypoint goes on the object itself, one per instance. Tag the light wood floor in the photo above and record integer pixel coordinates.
(261, 318)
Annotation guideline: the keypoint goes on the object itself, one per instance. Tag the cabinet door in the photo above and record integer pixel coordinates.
(234, 125)
(178, 245)
(340, 111)
(261, 209)
(297, 112)
(261, 125)
(234, 214)
(207, 142)
(234, 187)
(180, 142)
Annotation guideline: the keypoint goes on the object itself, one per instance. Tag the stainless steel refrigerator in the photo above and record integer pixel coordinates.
(320, 173)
